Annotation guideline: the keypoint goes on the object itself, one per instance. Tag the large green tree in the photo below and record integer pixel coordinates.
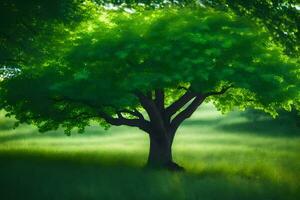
(152, 69)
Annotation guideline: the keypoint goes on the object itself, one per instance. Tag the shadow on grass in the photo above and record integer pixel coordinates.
(6, 124)
(202, 122)
(264, 127)
(269, 127)
(27, 132)
(15, 137)
(40, 178)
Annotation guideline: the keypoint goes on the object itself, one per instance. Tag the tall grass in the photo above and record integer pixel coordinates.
(226, 157)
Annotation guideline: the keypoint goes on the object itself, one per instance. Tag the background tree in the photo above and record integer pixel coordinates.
(166, 62)
(22, 23)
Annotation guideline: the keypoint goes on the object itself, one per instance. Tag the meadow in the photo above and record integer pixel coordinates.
(226, 158)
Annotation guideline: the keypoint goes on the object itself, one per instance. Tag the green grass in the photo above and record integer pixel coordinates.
(225, 157)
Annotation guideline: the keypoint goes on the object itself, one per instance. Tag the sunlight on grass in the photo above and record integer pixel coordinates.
(209, 152)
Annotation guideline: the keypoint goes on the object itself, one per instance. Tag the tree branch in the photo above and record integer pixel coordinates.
(154, 115)
(122, 120)
(225, 89)
(140, 123)
(190, 109)
(187, 112)
(134, 113)
(179, 103)
(183, 88)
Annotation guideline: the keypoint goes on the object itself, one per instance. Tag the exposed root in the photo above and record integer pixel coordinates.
(171, 166)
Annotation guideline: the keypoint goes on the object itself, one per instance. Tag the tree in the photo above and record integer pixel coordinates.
(22, 22)
(165, 62)
(281, 18)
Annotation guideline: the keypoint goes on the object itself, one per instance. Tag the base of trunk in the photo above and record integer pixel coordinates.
(160, 153)
(174, 167)
(171, 166)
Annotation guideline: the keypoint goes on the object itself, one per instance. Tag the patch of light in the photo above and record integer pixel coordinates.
(90, 28)
(155, 5)
(141, 4)
(105, 18)
(201, 4)
(123, 7)
(8, 72)
(110, 6)
(129, 10)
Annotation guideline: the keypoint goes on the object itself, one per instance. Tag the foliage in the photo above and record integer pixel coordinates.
(97, 68)
(281, 17)
(26, 27)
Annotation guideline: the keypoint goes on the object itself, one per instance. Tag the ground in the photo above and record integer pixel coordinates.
(226, 157)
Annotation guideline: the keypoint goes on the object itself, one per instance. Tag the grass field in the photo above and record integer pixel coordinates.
(226, 158)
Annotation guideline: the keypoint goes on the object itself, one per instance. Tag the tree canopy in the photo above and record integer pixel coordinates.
(22, 23)
(98, 69)
(281, 17)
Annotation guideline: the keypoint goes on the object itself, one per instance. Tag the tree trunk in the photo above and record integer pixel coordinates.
(160, 152)
(162, 124)
(163, 121)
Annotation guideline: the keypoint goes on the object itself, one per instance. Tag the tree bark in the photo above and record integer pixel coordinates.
(160, 152)
(164, 122)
